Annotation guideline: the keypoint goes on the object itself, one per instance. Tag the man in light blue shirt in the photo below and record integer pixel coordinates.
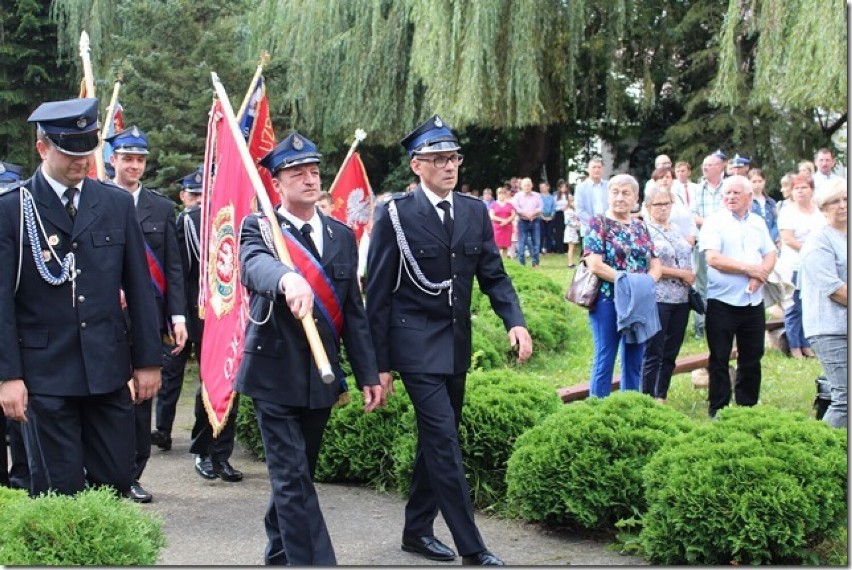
(740, 256)
(590, 198)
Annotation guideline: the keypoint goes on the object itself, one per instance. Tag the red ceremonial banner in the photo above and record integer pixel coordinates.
(351, 197)
(228, 200)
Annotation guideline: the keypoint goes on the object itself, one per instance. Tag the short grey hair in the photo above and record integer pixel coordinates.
(836, 189)
(625, 180)
(738, 179)
(653, 191)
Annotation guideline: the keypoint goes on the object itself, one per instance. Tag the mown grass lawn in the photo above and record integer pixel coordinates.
(787, 383)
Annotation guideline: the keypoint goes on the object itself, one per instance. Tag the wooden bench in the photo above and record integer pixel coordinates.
(682, 365)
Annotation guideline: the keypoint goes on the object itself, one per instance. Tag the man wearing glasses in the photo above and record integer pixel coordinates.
(425, 249)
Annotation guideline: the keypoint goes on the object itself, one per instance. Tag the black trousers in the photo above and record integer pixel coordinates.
(295, 528)
(748, 325)
(662, 350)
(4, 454)
(174, 367)
(19, 471)
(438, 481)
(72, 440)
(203, 442)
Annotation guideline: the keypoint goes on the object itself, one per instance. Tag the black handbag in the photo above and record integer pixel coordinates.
(696, 303)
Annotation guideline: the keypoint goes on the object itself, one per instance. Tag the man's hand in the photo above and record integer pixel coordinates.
(757, 272)
(146, 382)
(373, 397)
(386, 380)
(180, 337)
(13, 399)
(520, 337)
(298, 294)
(753, 285)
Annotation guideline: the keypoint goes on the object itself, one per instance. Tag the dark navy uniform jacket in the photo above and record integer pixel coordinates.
(65, 349)
(277, 364)
(414, 331)
(156, 215)
(191, 265)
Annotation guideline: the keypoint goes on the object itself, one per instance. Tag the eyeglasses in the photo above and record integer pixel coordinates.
(441, 161)
(661, 204)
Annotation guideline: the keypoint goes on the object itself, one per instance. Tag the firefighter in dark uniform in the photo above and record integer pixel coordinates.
(292, 402)
(156, 215)
(212, 455)
(67, 353)
(425, 250)
(10, 175)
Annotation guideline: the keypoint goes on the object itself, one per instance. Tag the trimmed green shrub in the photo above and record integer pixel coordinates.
(358, 447)
(582, 465)
(544, 310)
(93, 528)
(758, 486)
(499, 406)
(247, 431)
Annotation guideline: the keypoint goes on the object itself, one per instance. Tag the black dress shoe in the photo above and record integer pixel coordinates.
(204, 467)
(138, 494)
(226, 472)
(161, 439)
(483, 558)
(428, 547)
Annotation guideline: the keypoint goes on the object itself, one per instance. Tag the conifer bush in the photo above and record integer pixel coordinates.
(358, 447)
(499, 406)
(583, 464)
(93, 528)
(758, 486)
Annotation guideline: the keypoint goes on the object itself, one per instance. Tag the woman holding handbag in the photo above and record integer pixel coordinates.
(616, 242)
(675, 255)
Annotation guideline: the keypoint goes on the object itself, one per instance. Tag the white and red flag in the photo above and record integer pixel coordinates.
(351, 195)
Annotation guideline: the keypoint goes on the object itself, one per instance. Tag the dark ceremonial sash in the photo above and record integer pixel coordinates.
(325, 297)
(158, 278)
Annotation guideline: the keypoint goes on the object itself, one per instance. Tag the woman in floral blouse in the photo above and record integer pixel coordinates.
(675, 255)
(616, 242)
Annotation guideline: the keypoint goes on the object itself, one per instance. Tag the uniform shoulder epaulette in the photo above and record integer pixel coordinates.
(401, 195)
(158, 193)
(467, 197)
(11, 188)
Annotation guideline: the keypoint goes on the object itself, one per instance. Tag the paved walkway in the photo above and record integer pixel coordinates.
(217, 523)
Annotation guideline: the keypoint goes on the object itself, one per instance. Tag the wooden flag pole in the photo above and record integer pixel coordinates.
(264, 58)
(360, 134)
(110, 110)
(308, 323)
(89, 78)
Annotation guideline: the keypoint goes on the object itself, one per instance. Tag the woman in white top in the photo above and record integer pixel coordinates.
(798, 219)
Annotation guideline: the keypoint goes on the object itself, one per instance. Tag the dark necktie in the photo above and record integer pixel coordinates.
(69, 205)
(448, 219)
(306, 233)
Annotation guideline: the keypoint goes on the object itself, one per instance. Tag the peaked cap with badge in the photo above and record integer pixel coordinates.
(10, 174)
(739, 161)
(720, 155)
(71, 125)
(129, 141)
(193, 183)
(294, 150)
(432, 135)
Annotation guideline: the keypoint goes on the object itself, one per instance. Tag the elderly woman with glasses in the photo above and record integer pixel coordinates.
(824, 275)
(616, 243)
(675, 254)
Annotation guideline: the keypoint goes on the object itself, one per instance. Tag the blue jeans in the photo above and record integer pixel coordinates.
(831, 350)
(602, 320)
(793, 320)
(529, 233)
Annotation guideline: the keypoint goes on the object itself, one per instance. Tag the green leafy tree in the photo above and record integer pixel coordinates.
(29, 74)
